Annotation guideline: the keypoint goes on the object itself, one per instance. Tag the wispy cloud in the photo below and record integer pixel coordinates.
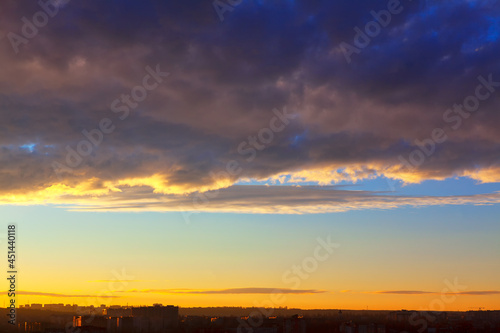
(38, 293)
(270, 200)
(104, 281)
(401, 292)
(421, 292)
(480, 293)
(229, 291)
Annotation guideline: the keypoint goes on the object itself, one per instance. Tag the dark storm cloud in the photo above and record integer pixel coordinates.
(225, 79)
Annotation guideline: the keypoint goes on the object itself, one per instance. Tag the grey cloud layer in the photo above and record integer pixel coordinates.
(269, 200)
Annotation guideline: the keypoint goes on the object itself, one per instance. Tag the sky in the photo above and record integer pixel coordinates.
(312, 154)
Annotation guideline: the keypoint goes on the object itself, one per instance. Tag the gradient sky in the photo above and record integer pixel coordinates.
(249, 138)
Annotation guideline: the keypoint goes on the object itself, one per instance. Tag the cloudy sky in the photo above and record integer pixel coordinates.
(204, 147)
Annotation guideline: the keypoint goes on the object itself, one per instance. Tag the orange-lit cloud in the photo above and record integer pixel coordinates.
(485, 175)
(154, 193)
